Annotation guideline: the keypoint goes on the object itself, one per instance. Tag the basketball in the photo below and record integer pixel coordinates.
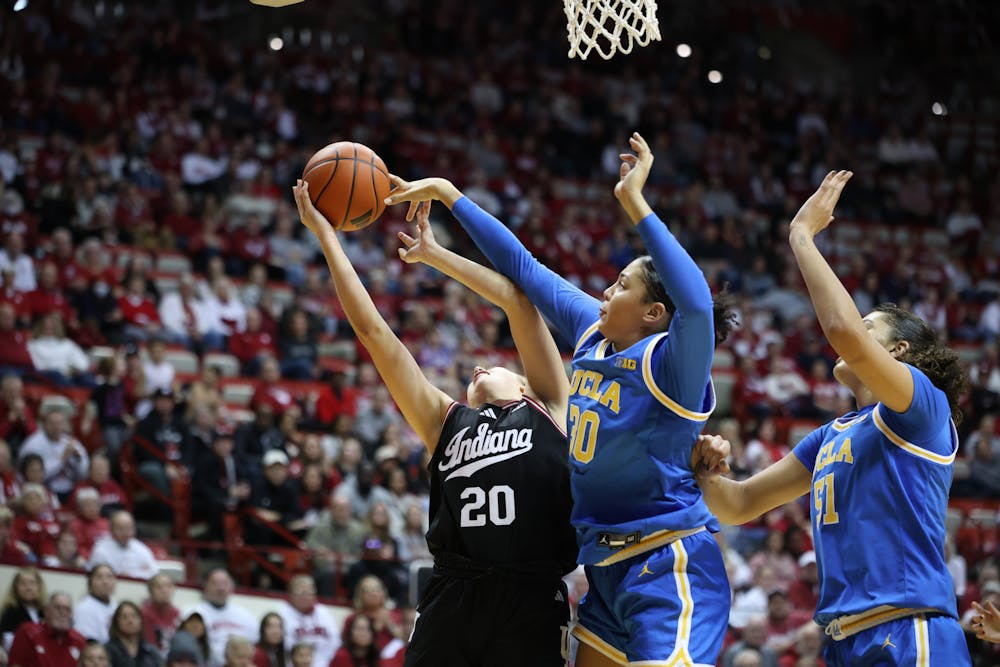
(348, 183)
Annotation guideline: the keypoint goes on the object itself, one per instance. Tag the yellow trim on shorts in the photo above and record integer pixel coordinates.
(598, 644)
(923, 645)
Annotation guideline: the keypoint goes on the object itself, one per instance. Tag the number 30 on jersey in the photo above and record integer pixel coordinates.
(584, 427)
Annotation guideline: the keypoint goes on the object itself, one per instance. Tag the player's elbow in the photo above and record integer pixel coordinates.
(371, 333)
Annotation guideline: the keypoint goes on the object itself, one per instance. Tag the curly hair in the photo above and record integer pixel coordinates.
(723, 310)
(940, 364)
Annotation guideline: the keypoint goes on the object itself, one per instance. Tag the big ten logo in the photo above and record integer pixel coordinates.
(625, 363)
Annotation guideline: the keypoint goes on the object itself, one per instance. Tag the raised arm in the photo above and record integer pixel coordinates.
(681, 365)
(567, 307)
(889, 380)
(423, 406)
(540, 357)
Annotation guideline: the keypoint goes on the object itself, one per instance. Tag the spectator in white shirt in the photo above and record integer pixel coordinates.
(231, 311)
(12, 257)
(66, 461)
(92, 614)
(307, 622)
(57, 356)
(159, 372)
(198, 167)
(223, 619)
(120, 550)
(186, 319)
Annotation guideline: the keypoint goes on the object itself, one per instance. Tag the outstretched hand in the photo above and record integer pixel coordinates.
(708, 458)
(817, 213)
(308, 213)
(425, 189)
(986, 622)
(634, 169)
(419, 249)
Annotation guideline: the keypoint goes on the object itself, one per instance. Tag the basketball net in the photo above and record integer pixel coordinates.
(609, 26)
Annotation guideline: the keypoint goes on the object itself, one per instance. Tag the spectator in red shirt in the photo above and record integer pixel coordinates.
(337, 399)
(14, 355)
(51, 643)
(808, 646)
(359, 648)
(804, 591)
(269, 390)
(133, 215)
(14, 297)
(12, 552)
(48, 297)
(253, 344)
(88, 525)
(16, 419)
(31, 527)
(249, 246)
(64, 257)
(159, 615)
(370, 598)
(112, 496)
(139, 313)
(179, 221)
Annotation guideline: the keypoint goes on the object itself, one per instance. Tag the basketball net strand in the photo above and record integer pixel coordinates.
(609, 26)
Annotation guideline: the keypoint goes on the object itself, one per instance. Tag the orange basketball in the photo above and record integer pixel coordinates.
(348, 183)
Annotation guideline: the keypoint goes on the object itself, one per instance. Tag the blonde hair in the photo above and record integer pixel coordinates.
(361, 584)
(10, 600)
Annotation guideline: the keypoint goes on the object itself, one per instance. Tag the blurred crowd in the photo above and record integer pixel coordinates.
(155, 275)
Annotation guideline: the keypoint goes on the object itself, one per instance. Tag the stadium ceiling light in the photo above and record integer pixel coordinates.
(715, 76)
(683, 50)
(939, 109)
(20, 4)
(276, 43)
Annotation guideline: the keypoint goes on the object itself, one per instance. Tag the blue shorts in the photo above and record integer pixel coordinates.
(914, 641)
(669, 605)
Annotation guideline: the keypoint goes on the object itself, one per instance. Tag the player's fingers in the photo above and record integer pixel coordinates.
(407, 240)
(412, 210)
(991, 609)
(628, 157)
(638, 141)
(423, 213)
(397, 181)
(402, 254)
(624, 170)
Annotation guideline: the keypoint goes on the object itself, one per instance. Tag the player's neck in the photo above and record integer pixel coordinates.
(863, 397)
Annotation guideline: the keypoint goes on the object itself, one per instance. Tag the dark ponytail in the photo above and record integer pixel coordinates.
(723, 312)
(939, 363)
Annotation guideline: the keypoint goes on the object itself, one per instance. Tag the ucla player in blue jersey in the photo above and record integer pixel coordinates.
(878, 477)
(639, 396)
(500, 498)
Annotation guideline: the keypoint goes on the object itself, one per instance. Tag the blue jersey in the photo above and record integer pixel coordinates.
(631, 446)
(634, 414)
(879, 496)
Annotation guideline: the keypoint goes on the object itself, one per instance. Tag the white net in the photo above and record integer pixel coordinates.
(609, 26)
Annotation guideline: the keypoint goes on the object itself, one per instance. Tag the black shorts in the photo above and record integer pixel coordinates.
(488, 619)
